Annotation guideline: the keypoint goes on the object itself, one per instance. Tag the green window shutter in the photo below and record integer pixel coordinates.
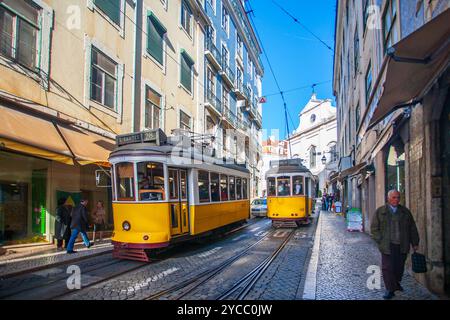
(186, 70)
(155, 43)
(111, 8)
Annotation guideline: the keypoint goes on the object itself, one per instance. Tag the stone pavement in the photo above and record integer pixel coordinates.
(340, 270)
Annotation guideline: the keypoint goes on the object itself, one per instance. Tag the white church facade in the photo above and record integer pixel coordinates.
(315, 140)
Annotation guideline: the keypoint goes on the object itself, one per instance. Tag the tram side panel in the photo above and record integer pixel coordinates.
(146, 220)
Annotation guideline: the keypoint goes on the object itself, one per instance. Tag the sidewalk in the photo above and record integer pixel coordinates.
(339, 262)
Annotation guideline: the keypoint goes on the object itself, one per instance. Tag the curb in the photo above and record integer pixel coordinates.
(309, 292)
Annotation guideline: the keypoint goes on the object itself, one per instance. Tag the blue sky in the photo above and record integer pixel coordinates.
(297, 58)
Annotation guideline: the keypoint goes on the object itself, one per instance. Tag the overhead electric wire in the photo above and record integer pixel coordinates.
(298, 88)
(302, 25)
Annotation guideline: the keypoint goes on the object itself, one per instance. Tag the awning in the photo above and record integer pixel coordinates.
(352, 170)
(32, 135)
(88, 147)
(414, 63)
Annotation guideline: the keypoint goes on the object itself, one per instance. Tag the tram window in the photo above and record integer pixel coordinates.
(284, 186)
(297, 185)
(215, 187)
(307, 186)
(125, 181)
(271, 186)
(223, 187)
(151, 181)
(244, 189)
(173, 184)
(238, 188)
(203, 186)
(232, 189)
(183, 184)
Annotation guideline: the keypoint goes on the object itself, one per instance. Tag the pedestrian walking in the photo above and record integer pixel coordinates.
(99, 216)
(62, 224)
(79, 225)
(394, 230)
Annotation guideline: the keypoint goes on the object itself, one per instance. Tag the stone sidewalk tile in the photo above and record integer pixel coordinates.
(49, 257)
(343, 261)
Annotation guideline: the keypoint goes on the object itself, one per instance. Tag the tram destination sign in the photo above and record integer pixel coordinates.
(156, 137)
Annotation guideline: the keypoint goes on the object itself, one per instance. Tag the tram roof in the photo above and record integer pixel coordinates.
(287, 166)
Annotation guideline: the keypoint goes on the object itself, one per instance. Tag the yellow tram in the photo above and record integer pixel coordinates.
(167, 190)
(289, 193)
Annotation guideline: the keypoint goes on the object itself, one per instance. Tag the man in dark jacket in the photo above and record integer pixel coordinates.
(394, 230)
(79, 225)
(62, 224)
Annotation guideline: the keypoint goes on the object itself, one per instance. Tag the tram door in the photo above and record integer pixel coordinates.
(178, 201)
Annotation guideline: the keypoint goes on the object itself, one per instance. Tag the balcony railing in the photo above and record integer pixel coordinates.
(258, 119)
(239, 90)
(212, 101)
(227, 74)
(213, 54)
(230, 117)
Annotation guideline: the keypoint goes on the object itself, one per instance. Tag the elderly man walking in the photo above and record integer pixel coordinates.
(394, 230)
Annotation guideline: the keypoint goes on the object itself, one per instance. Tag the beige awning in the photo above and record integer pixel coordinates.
(32, 135)
(87, 147)
(407, 81)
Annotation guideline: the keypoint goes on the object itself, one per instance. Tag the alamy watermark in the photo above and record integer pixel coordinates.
(74, 280)
(374, 280)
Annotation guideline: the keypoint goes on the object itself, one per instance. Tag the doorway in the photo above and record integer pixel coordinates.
(179, 203)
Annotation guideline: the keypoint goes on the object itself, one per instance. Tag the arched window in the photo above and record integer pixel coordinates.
(312, 157)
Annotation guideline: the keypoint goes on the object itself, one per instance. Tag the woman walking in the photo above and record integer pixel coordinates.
(99, 216)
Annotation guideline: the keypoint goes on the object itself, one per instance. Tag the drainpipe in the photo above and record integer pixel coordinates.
(137, 63)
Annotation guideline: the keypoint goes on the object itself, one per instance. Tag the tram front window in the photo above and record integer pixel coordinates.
(271, 186)
(298, 185)
(284, 186)
(151, 181)
(125, 181)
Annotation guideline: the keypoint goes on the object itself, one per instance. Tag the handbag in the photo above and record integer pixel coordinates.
(419, 263)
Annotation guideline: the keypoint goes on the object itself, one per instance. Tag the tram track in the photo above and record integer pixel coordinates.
(189, 286)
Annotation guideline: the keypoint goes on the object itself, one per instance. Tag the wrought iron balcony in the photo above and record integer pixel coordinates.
(258, 119)
(239, 91)
(213, 103)
(213, 54)
(227, 74)
(229, 117)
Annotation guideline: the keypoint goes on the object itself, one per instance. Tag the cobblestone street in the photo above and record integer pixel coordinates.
(343, 260)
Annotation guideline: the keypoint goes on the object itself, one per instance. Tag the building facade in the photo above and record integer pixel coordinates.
(233, 75)
(393, 118)
(314, 140)
(74, 74)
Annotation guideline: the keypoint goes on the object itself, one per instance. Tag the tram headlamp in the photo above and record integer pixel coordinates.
(126, 226)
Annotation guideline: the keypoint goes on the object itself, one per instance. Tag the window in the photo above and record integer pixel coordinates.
(186, 18)
(225, 57)
(250, 68)
(284, 186)
(333, 153)
(186, 71)
(151, 181)
(390, 31)
(239, 46)
(368, 82)
(357, 116)
(183, 184)
(297, 185)
(225, 97)
(203, 186)
(19, 22)
(215, 187)
(211, 34)
(239, 78)
(111, 8)
(312, 157)
(173, 184)
(223, 187)
(313, 118)
(225, 19)
(244, 189)
(307, 187)
(365, 13)
(356, 50)
(238, 188)
(211, 82)
(155, 43)
(125, 181)
(232, 189)
(210, 125)
(185, 121)
(224, 140)
(152, 109)
(103, 79)
(271, 186)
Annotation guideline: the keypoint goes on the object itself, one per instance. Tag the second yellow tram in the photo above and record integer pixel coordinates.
(290, 192)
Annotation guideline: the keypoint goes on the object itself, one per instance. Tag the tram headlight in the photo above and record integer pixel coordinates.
(126, 226)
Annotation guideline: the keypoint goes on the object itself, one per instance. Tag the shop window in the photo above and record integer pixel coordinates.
(173, 184)
(215, 187)
(297, 182)
(125, 181)
(151, 181)
(284, 186)
(203, 186)
(271, 186)
(238, 188)
(223, 187)
(232, 189)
